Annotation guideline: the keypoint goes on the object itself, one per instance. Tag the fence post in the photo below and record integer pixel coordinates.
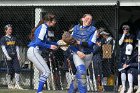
(36, 72)
(116, 59)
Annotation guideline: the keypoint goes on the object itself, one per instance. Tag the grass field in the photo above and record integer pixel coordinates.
(33, 91)
(27, 91)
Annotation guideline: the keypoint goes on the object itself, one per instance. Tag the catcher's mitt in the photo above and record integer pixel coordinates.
(67, 38)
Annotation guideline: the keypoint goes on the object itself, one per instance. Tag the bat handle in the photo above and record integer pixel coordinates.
(121, 69)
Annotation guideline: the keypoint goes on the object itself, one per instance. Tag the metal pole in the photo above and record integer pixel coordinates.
(38, 16)
(116, 59)
(138, 59)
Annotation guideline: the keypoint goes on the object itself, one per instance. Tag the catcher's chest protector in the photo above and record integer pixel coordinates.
(83, 34)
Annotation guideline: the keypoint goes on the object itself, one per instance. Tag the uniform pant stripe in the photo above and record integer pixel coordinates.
(38, 60)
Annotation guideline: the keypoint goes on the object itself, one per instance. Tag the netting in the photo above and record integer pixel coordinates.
(101, 73)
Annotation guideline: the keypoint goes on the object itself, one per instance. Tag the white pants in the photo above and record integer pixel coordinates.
(86, 61)
(34, 55)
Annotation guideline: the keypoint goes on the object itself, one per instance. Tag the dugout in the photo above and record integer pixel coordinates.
(25, 14)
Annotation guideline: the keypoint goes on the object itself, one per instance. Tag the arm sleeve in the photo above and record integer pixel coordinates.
(42, 32)
(121, 40)
(133, 65)
(17, 50)
(41, 44)
(53, 43)
(41, 36)
(4, 51)
(74, 49)
(2, 41)
(94, 37)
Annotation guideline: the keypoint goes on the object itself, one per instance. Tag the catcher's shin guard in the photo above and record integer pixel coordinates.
(81, 78)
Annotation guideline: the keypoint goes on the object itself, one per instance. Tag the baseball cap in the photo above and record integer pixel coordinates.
(129, 49)
(104, 33)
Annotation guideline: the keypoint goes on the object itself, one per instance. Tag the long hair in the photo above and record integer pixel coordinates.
(48, 17)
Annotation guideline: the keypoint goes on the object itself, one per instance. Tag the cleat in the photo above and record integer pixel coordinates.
(138, 90)
(10, 86)
(122, 90)
(17, 86)
(130, 90)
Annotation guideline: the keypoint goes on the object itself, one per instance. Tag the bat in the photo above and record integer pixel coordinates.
(127, 61)
(51, 74)
(94, 79)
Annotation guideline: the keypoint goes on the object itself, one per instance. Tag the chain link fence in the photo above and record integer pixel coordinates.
(102, 71)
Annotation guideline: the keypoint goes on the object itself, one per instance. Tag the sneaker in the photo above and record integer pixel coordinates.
(138, 90)
(122, 90)
(18, 87)
(130, 90)
(10, 86)
(120, 87)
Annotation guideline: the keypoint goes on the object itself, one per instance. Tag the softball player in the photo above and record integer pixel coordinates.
(11, 51)
(39, 42)
(82, 56)
(125, 55)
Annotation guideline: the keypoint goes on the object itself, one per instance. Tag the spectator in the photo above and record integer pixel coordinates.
(126, 47)
(10, 49)
(108, 65)
(97, 59)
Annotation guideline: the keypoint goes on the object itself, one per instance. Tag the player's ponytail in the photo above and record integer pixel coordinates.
(48, 17)
(33, 30)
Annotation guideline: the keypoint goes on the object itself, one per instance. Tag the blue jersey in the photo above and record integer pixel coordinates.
(40, 38)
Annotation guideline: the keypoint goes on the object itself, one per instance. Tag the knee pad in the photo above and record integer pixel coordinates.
(83, 79)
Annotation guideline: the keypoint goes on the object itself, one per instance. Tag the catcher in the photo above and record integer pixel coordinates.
(81, 43)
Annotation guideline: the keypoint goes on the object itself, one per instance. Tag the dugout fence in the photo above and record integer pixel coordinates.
(24, 18)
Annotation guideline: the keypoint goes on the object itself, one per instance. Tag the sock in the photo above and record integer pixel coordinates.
(17, 78)
(40, 86)
(123, 78)
(130, 80)
(41, 83)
